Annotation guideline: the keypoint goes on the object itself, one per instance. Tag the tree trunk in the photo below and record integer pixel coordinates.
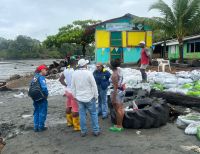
(165, 47)
(83, 50)
(180, 50)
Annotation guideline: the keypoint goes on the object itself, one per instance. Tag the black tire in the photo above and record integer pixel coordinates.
(152, 113)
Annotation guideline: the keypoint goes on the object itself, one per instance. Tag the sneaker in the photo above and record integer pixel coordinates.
(116, 129)
(42, 129)
(83, 134)
(36, 130)
(96, 134)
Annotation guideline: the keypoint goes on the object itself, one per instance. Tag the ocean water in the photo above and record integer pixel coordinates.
(20, 67)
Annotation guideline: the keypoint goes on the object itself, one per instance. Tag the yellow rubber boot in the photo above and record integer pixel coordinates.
(76, 123)
(69, 120)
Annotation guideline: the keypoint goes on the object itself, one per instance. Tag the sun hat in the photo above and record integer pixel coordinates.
(82, 62)
(142, 42)
(41, 67)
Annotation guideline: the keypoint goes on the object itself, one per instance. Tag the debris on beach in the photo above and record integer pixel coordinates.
(194, 148)
(21, 95)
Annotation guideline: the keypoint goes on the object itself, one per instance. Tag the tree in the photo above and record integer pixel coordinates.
(180, 20)
(73, 33)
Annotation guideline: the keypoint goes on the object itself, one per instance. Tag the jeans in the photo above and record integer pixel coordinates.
(102, 101)
(91, 107)
(40, 114)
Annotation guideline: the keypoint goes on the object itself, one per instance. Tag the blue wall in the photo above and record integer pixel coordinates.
(102, 55)
(131, 55)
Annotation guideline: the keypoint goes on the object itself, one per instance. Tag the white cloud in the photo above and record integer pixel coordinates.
(38, 18)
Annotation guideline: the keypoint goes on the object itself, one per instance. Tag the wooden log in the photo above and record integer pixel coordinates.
(177, 99)
(2, 83)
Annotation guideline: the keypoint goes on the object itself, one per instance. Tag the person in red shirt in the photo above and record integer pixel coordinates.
(145, 60)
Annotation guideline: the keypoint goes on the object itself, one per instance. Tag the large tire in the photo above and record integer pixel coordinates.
(152, 113)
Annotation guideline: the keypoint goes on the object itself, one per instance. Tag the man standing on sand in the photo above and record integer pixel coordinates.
(102, 76)
(85, 91)
(145, 61)
(40, 102)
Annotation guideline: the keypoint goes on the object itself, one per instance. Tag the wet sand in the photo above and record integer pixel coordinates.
(16, 127)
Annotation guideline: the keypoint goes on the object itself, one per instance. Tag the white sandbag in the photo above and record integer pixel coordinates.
(191, 129)
(170, 80)
(195, 75)
(190, 118)
(180, 124)
(168, 86)
(183, 74)
(182, 81)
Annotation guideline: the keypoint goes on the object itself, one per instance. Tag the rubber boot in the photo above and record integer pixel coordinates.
(69, 120)
(76, 123)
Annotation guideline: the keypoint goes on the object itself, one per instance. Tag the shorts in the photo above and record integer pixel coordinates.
(120, 96)
(144, 66)
(71, 102)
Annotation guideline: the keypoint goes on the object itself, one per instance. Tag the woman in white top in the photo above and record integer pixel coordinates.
(72, 114)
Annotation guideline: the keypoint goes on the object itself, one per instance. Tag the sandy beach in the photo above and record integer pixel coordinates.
(16, 126)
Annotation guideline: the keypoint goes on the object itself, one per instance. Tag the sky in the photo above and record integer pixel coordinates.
(40, 18)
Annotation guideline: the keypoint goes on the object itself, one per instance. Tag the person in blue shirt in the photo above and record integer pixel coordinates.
(40, 107)
(102, 76)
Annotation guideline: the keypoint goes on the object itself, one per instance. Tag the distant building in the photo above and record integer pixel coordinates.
(119, 38)
(191, 48)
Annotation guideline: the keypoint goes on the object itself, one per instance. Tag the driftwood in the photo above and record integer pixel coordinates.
(56, 67)
(177, 99)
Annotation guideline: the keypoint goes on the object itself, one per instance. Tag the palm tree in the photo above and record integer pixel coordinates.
(180, 20)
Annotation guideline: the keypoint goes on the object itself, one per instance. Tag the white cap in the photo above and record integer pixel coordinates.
(83, 62)
(142, 42)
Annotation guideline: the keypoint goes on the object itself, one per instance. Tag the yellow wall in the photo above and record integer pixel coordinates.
(124, 42)
(149, 38)
(102, 39)
(134, 38)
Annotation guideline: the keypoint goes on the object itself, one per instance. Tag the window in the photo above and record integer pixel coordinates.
(193, 47)
(173, 49)
(116, 39)
(197, 46)
(190, 47)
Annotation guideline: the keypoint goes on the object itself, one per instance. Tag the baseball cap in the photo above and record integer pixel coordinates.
(82, 62)
(41, 67)
(142, 42)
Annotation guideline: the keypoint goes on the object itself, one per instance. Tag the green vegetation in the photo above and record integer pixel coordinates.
(70, 40)
(74, 34)
(158, 86)
(177, 21)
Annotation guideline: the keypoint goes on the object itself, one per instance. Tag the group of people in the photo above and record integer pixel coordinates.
(83, 90)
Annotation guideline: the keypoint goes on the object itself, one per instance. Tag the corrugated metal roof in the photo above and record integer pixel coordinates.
(175, 41)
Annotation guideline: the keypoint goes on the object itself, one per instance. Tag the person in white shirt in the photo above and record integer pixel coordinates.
(85, 91)
(72, 114)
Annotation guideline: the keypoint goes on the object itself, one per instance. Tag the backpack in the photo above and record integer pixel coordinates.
(35, 90)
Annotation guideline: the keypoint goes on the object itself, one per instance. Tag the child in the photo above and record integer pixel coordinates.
(40, 104)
